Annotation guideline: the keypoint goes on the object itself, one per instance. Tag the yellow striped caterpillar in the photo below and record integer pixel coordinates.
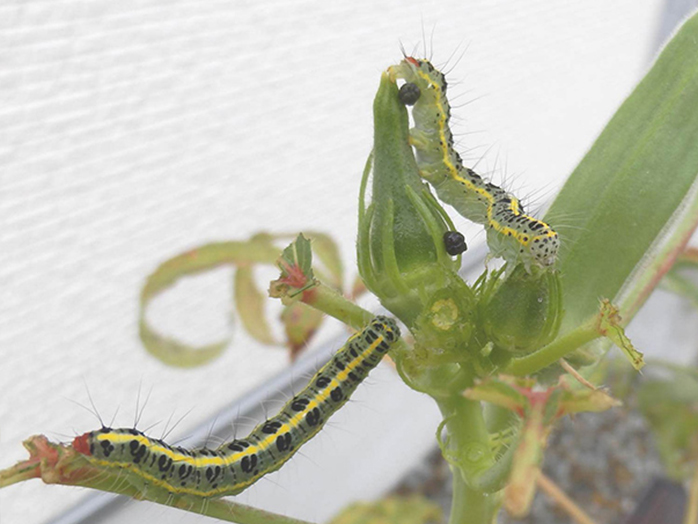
(236, 465)
(511, 234)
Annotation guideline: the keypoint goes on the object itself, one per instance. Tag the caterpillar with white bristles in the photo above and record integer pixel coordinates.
(236, 465)
(511, 233)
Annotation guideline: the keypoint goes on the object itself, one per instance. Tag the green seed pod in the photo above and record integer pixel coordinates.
(525, 311)
(401, 252)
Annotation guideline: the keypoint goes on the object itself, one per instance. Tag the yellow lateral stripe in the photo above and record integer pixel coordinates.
(342, 375)
(238, 486)
(252, 449)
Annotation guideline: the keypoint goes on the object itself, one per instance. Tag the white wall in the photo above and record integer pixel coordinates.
(132, 131)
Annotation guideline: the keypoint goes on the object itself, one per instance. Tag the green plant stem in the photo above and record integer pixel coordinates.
(554, 351)
(470, 506)
(562, 500)
(221, 509)
(467, 449)
(332, 303)
(234, 512)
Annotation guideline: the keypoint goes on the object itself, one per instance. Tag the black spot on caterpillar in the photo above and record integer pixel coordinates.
(511, 234)
(236, 465)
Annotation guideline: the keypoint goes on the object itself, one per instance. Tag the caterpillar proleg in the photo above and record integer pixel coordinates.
(511, 233)
(236, 465)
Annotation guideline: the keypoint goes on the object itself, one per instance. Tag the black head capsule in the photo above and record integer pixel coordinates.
(409, 93)
(454, 243)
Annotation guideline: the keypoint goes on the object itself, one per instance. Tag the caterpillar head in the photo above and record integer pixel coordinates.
(518, 237)
(543, 247)
(422, 80)
(538, 238)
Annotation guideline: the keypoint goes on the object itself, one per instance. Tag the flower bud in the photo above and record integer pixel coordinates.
(525, 310)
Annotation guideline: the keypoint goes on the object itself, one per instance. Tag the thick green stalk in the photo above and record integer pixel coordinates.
(554, 351)
(467, 448)
(470, 506)
(334, 304)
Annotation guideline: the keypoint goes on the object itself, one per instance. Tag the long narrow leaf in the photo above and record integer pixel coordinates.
(632, 203)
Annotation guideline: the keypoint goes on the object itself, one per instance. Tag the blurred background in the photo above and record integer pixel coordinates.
(135, 130)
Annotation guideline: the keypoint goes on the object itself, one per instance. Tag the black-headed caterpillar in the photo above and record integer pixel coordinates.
(236, 465)
(511, 234)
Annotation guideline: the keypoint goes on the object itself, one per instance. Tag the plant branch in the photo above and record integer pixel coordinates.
(561, 499)
(334, 304)
(554, 351)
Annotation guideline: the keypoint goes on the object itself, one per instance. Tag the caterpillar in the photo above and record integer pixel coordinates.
(511, 233)
(235, 465)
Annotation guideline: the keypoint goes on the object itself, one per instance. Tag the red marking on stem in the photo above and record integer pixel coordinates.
(294, 276)
(535, 398)
(663, 269)
(309, 295)
(690, 254)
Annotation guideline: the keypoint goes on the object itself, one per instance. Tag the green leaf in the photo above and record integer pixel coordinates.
(249, 302)
(207, 257)
(578, 401)
(323, 247)
(178, 354)
(327, 252)
(300, 323)
(297, 259)
(259, 249)
(632, 204)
